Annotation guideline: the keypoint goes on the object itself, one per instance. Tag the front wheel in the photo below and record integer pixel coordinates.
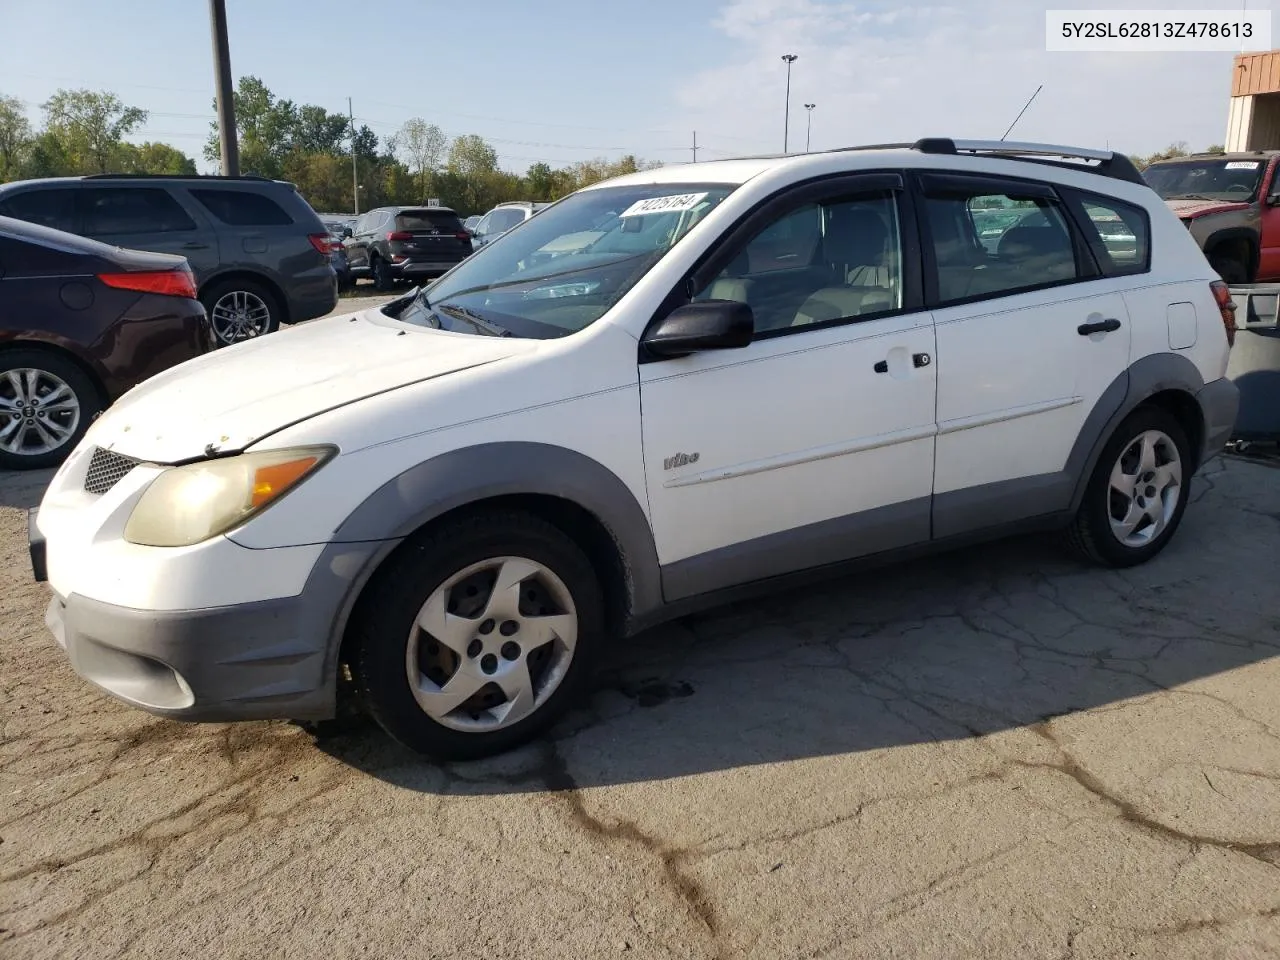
(1230, 269)
(1137, 493)
(477, 636)
(46, 405)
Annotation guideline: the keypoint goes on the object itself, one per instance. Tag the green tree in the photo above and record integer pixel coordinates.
(151, 157)
(16, 138)
(266, 129)
(90, 127)
(422, 146)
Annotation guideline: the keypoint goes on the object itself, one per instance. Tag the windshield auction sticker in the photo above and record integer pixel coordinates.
(1242, 165)
(676, 203)
(1167, 31)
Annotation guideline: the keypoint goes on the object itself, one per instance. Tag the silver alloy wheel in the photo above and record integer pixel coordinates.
(1146, 485)
(39, 412)
(491, 644)
(239, 315)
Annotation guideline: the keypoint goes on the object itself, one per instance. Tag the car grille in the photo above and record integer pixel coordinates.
(106, 469)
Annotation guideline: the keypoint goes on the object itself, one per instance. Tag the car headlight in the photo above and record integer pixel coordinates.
(188, 504)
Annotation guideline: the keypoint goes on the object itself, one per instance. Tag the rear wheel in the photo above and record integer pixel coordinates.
(46, 405)
(478, 636)
(240, 310)
(382, 278)
(1137, 494)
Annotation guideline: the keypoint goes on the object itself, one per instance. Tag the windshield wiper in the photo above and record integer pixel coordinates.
(470, 316)
(549, 276)
(1188, 196)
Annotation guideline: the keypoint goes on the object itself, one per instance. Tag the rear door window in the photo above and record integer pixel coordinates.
(108, 211)
(240, 208)
(417, 221)
(54, 208)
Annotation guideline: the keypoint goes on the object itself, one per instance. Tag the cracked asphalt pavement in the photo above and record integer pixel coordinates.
(993, 753)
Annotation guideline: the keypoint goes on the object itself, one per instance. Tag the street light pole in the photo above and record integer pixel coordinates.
(809, 126)
(225, 99)
(790, 58)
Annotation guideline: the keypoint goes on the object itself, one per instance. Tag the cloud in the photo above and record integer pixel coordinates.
(887, 72)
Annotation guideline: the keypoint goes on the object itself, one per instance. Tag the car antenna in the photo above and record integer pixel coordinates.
(1021, 112)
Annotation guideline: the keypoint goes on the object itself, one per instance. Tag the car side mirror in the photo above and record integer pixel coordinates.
(702, 325)
(1273, 200)
(346, 233)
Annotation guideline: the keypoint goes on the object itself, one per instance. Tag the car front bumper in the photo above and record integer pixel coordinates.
(253, 660)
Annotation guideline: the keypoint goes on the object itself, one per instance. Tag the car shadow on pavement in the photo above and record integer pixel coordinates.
(986, 639)
(22, 489)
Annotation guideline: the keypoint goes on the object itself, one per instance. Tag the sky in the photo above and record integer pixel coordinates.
(567, 80)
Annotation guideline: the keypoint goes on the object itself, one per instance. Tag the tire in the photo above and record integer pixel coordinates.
(382, 278)
(471, 553)
(1230, 269)
(241, 310)
(25, 436)
(1092, 534)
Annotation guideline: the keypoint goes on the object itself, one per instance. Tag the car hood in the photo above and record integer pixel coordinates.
(227, 400)
(1198, 208)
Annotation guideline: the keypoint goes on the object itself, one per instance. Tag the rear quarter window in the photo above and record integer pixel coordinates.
(1118, 233)
(428, 220)
(240, 208)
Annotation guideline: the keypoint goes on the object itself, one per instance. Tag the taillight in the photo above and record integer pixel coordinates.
(1227, 307)
(399, 235)
(322, 242)
(462, 235)
(168, 283)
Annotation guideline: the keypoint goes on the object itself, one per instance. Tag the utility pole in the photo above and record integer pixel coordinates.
(223, 89)
(809, 126)
(355, 170)
(790, 58)
(695, 146)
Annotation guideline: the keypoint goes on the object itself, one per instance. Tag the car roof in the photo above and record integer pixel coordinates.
(423, 208)
(142, 178)
(931, 152)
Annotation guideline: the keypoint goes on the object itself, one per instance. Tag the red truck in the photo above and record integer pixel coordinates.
(1231, 204)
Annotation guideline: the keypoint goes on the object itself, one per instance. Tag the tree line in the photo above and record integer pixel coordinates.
(85, 131)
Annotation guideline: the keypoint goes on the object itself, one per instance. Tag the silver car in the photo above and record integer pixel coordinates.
(501, 219)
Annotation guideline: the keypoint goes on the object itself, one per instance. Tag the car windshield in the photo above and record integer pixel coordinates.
(1220, 179)
(565, 267)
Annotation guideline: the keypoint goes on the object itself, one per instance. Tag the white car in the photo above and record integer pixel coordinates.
(763, 369)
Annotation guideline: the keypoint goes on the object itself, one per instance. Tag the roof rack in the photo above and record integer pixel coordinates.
(172, 176)
(1108, 163)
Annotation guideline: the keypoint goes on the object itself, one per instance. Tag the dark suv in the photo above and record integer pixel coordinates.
(259, 252)
(409, 243)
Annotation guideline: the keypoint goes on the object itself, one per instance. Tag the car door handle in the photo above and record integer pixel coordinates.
(195, 246)
(1098, 326)
(917, 359)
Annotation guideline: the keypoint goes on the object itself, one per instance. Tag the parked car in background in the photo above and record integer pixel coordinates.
(260, 255)
(81, 323)
(1231, 204)
(406, 243)
(470, 223)
(339, 231)
(502, 218)
(767, 369)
